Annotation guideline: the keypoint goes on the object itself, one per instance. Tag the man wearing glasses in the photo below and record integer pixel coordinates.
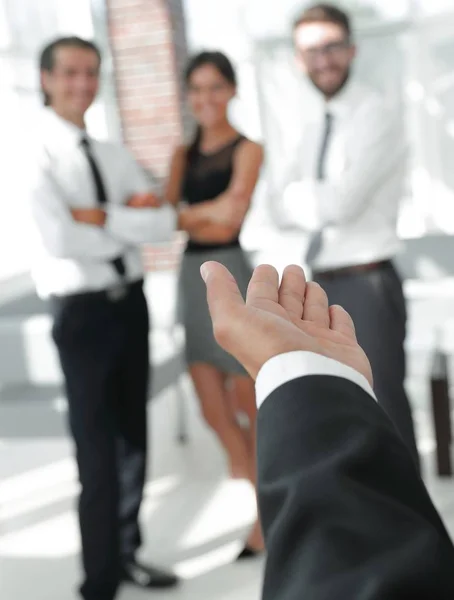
(349, 181)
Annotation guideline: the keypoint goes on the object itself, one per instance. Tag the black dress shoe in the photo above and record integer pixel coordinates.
(248, 552)
(147, 577)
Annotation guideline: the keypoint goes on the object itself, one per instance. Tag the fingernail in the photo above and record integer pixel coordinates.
(204, 272)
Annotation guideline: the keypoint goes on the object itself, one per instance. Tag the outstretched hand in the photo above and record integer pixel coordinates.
(278, 318)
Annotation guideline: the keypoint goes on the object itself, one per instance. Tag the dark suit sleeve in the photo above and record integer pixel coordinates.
(345, 514)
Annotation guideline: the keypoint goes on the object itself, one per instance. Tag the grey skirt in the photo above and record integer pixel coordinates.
(193, 308)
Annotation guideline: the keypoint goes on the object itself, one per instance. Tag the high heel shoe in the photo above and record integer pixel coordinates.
(247, 552)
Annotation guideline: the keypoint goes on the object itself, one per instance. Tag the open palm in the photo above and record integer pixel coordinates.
(277, 318)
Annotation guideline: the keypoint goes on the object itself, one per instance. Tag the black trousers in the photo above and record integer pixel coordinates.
(104, 354)
(376, 302)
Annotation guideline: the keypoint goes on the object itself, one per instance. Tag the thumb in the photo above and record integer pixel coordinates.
(225, 302)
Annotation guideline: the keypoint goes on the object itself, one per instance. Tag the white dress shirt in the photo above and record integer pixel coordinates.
(356, 205)
(71, 257)
(291, 365)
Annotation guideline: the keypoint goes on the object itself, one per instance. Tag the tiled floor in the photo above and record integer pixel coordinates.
(193, 517)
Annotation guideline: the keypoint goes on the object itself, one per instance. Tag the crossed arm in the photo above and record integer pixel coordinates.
(98, 216)
(377, 152)
(94, 233)
(142, 219)
(218, 219)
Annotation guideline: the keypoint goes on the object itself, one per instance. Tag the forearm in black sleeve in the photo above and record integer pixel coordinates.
(345, 514)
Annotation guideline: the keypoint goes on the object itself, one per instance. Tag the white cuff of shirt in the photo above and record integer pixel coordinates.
(283, 368)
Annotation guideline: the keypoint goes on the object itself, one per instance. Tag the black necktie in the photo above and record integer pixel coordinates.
(315, 244)
(324, 146)
(117, 263)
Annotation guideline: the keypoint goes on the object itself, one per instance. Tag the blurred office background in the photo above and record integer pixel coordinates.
(194, 516)
(407, 50)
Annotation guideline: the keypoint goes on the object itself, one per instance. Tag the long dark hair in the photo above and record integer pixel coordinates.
(222, 64)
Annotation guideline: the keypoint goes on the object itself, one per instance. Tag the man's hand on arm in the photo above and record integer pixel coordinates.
(89, 216)
(146, 200)
(97, 216)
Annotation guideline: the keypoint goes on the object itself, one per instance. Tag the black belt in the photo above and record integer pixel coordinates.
(333, 273)
(194, 247)
(114, 294)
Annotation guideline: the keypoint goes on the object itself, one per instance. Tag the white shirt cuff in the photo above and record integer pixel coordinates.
(292, 365)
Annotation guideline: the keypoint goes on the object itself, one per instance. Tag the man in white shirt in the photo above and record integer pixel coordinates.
(343, 508)
(349, 182)
(92, 209)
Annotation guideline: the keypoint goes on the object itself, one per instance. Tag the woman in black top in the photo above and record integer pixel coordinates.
(215, 177)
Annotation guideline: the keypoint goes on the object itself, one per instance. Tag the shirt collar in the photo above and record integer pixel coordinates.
(346, 100)
(63, 130)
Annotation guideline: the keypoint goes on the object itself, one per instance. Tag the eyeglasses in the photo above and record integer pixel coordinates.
(310, 55)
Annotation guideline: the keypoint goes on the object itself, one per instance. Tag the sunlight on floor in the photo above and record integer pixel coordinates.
(15, 488)
(207, 562)
(38, 499)
(231, 506)
(56, 537)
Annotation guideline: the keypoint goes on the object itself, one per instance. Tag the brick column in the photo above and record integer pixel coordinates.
(149, 47)
(181, 58)
(149, 51)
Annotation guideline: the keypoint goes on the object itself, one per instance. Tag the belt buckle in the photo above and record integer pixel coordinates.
(117, 293)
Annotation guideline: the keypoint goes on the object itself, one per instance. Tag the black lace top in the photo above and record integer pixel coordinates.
(207, 176)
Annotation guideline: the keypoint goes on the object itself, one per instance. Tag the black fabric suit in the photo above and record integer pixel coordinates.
(345, 514)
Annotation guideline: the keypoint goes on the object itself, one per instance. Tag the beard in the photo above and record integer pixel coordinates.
(332, 88)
